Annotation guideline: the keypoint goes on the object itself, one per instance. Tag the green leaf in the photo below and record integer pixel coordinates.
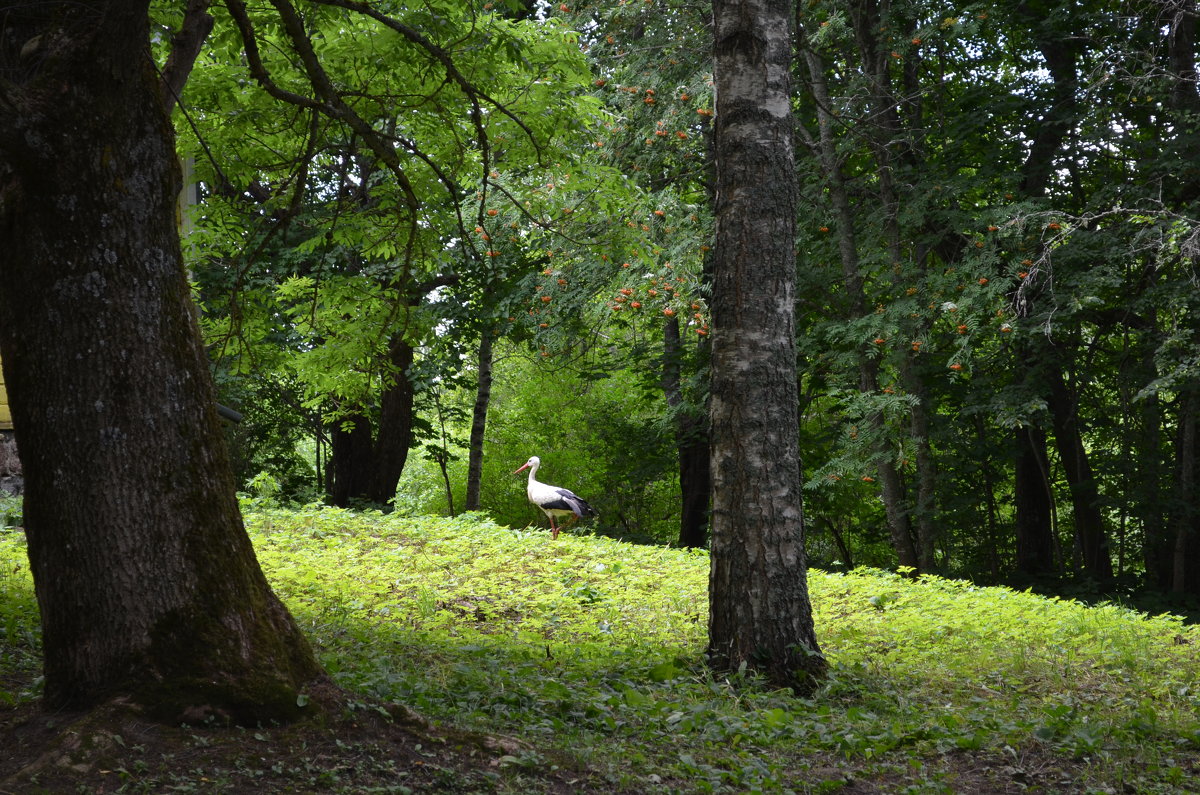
(635, 698)
(776, 718)
(664, 672)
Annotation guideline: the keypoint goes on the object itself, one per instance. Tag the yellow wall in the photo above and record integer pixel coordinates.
(5, 416)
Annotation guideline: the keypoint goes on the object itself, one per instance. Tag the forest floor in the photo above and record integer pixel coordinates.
(525, 666)
(114, 749)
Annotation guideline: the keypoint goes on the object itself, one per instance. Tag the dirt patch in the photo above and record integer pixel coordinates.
(351, 747)
(348, 746)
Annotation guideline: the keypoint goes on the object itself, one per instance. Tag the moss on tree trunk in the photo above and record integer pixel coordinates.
(147, 583)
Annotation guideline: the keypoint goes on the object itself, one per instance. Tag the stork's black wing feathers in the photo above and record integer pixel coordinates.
(572, 502)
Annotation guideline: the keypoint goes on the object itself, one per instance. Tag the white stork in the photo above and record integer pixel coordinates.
(551, 499)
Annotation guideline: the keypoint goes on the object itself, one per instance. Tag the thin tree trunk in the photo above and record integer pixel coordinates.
(760, 614)
(924, 510)
(1149, 503)
(146, 580)
(1146, 501)
(885, 135)
(1032, 498)
(695, 482)
(366, 465)
(1185, 570)
(1050, 130)
(1185, 99)
(1184, 186)
(1090, 535)
(989, 494)
(839, 541)
(186, 44)
(443, 460)
(441, 454)
(691, 444)
(891, 486)
(1032, 491)
(483, 397)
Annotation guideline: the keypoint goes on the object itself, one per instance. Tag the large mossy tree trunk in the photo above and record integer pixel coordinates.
(760, 613)
(147, 582)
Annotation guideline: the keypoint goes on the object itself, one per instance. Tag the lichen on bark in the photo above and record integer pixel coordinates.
(147, 583)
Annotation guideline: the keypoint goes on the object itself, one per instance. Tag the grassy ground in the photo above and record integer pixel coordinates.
(576, 666)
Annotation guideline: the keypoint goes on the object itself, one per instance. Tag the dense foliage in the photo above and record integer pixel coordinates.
(998, 359)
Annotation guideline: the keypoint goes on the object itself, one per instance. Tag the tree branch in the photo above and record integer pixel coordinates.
(185, 48)
(258, 71)
(442, 56)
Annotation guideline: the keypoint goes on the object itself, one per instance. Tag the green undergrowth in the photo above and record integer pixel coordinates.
(589, 651)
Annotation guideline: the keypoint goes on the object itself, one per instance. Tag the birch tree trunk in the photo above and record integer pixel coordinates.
(758, 589)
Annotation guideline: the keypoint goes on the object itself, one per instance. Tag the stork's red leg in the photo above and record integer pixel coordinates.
(553, 530)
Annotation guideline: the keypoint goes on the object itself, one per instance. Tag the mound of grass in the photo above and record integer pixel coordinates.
(589, 652)
(594, 644)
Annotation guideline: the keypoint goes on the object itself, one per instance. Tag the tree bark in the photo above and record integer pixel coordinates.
(365, 463)
(1050, 130)
(1150, 505)
(1183, 185)
(925, 507)
(839, 540)
(483, 397)
(146, 580)
(1032, 498)
(890, 484)
(1185, 570)
(989, 496)
(1032, 490)
(695, 481)
(691, 444)
(758, 590)
(884, 136)
(395, 435)
(185, 49)
(349, 469)
(1090, 536)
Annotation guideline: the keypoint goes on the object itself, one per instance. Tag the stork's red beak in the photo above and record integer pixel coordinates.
(522, 469)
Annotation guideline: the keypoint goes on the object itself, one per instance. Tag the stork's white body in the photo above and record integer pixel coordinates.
(553, 501)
